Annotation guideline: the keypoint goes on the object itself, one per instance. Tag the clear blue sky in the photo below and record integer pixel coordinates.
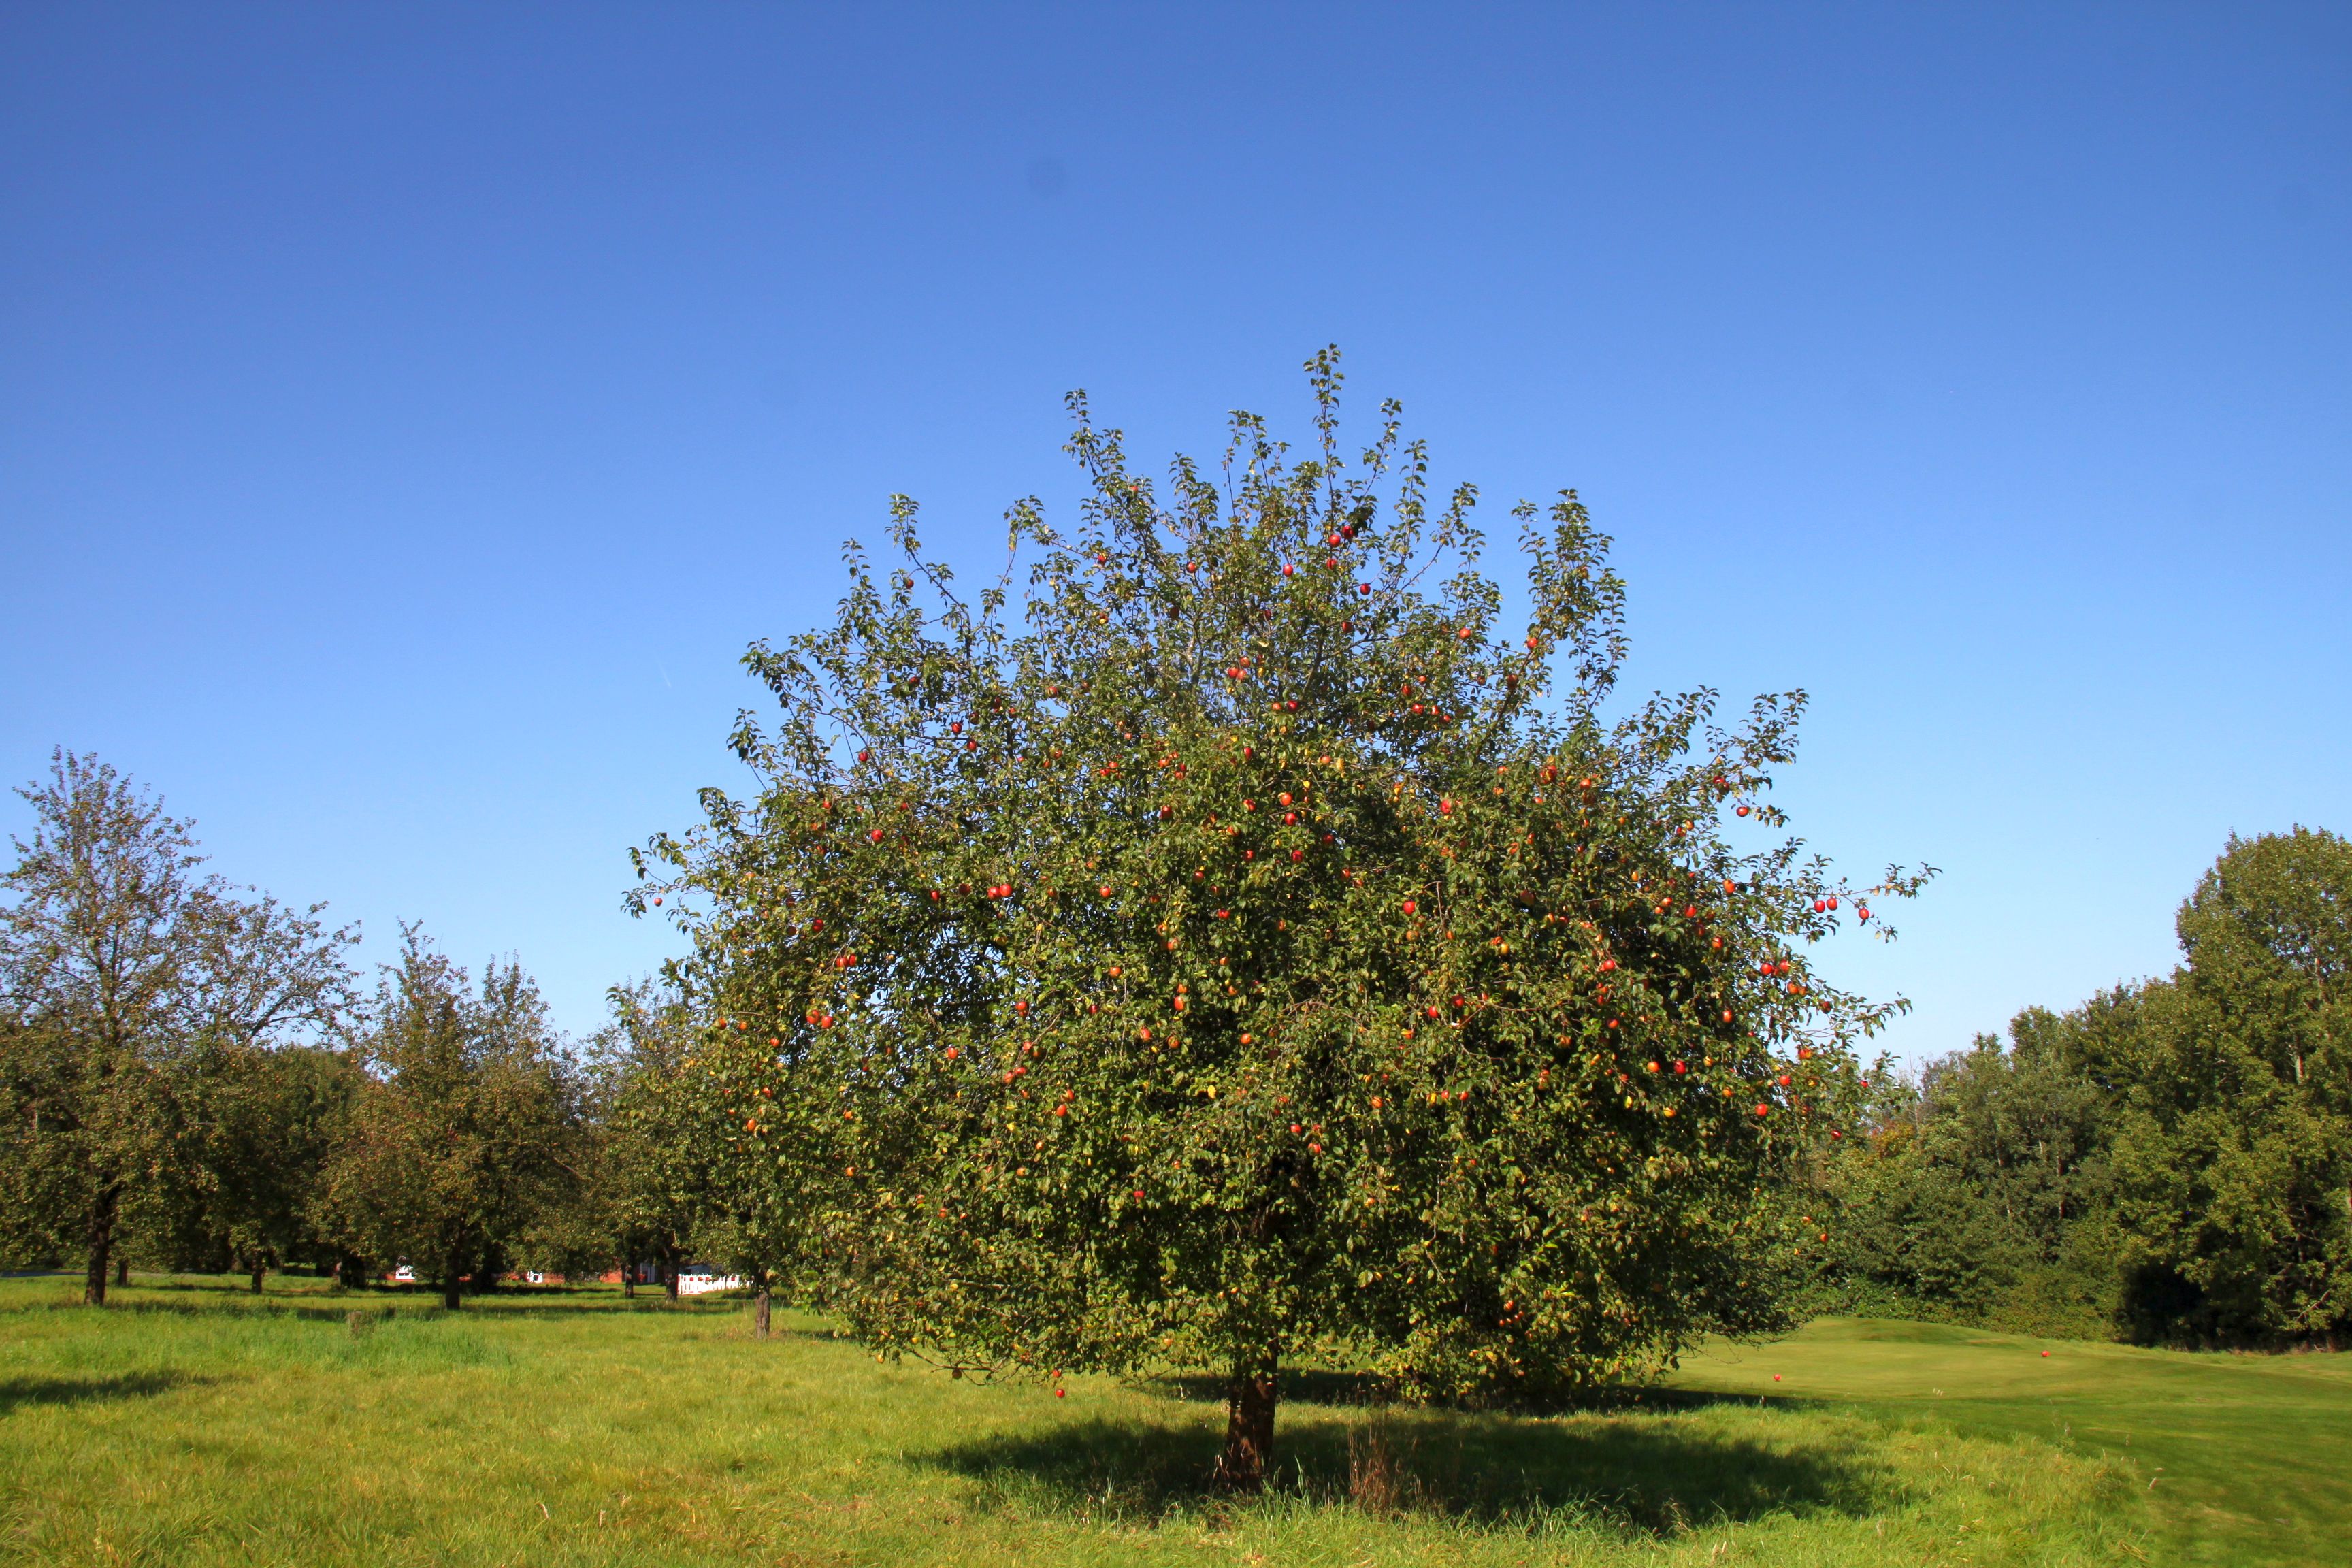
(408, 413)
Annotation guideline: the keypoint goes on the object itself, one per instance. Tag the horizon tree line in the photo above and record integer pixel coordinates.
(191, 1079)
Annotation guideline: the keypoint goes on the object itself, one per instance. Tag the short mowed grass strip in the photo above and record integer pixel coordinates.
(195, 1425)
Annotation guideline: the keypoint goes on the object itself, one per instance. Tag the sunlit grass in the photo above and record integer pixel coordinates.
(197, 1426)
(2246, 1459)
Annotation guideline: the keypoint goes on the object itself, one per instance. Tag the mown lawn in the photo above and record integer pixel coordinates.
(192, 1425)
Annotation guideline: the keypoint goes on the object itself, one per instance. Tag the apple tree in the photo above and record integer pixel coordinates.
(1254, 939)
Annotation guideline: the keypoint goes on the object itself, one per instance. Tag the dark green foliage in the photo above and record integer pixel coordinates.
(247, 1158)
(243, 1175)
(2234, 1164)
(125, 974)
(653, 1176)
(2172, 1159)
(1983, 1192)
(44, 1205)
(466, 1129)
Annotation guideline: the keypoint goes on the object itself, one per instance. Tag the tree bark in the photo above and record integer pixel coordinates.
(760, 1314)
(122, 1267)
(1249, 1426)
(259, 1270)
(669, 1277)
(101, 1244)
(452, 1294)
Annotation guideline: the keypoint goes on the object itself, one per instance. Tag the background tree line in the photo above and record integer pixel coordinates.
(2170, 1160)
(191, 1078)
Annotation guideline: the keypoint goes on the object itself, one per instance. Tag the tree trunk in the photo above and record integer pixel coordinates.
(452, 1293)
(101, 1244)
(259, 1270)
(1249, 1428)
(669, 1277)
(760, 1314)
(122, 1269)
(629, 1280)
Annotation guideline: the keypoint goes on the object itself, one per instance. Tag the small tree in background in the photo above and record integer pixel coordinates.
(1983, 1192)
(261, 1130)
(466, 1130)
(121, 967)
(655, 1145)
(1256, 956)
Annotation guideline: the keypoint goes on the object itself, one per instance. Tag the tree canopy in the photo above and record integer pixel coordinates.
(1246, 945)
(123, 970)
(2172, 1158)
(2234, 1154)
(465, 1129)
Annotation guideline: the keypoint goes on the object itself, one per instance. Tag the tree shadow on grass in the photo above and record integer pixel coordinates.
(1321, 1386)
(1633, 1476)
(16, 1393)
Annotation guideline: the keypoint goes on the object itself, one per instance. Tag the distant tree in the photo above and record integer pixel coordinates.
(2234, 1158)
(119, 965)
(262, 1126)
(1984, 1191)
(2176, 1154)
(651, 1156)
(1247, 957)
(466, 1129)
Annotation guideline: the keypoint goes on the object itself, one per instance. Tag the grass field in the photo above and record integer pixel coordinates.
(193, 1425)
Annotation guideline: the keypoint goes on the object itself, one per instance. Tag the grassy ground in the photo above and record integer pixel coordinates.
(2244, 1459)
(192, 1425)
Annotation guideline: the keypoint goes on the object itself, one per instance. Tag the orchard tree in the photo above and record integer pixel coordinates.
(466, 1129)
(121, 964)
(654, 1149)
(252, 1158)
(1246, 947)
(42, 1196)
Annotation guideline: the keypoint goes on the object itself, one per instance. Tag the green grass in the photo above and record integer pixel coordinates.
(2246, 1459)
(192, 1425)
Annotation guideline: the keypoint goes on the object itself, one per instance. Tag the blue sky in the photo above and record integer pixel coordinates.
(409, 414)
